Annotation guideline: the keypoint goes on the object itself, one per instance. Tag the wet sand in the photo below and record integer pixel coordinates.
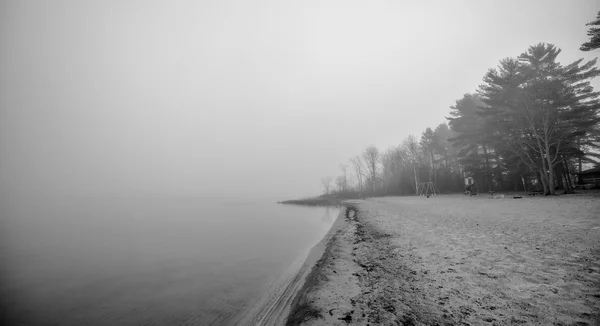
(273, 309)
(455, 260)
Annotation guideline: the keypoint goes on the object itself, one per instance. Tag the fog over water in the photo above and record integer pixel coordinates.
(166, 261)
(143, 144)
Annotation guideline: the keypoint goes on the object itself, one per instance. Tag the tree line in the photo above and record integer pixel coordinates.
(532, 123)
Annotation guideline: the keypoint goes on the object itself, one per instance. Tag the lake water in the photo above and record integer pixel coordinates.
(150, 261)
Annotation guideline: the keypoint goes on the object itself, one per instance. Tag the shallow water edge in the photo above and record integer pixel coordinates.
(274, 308)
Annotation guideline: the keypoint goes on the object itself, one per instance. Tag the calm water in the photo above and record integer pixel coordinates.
(147, 261)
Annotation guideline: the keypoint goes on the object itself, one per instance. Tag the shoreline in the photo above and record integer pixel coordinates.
(324, 200)
(328, 295)
(455, 260)
(313, 202)
(273, 310)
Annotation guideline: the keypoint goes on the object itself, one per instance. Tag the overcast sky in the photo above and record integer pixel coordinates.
(241, 97)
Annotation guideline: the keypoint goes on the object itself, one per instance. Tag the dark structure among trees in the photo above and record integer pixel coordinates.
(591, 176)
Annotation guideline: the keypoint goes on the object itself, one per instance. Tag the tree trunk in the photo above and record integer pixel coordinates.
(373, 182)
(499, 177)
(563, 179)
(488, 173)
(579, 155)
(544, 180)
(431, 167)
(416, 178)
(569, 189)
(550, 167)
(544, 177)
(373, 175)
(544, 169)
(550, 174)
(360, 183)
(560, 176)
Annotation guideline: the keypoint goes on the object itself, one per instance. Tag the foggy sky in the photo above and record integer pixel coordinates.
(241, 97)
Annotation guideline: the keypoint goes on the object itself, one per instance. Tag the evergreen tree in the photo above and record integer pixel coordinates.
(541, 108)
(594, 34)
(472, 140)
(530, 115)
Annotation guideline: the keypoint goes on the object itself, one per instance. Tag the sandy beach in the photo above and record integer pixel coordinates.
(456, 260)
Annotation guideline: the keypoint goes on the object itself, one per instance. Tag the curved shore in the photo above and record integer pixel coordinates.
(455, 260)
(275, 308)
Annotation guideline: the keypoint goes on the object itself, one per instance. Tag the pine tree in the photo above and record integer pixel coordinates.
(472, 140)
(594, 34)
(541, 108)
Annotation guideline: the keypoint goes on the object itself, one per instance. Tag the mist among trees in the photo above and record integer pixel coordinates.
(531, 124)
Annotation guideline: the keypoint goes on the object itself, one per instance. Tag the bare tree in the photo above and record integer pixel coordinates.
(371, 157)
(339, 182)
(326, 182)
(411, 144)
(388, 169)
(359, 171)
(393, 162)
(344, 168)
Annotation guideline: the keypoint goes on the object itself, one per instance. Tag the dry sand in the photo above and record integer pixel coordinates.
(455, 260)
